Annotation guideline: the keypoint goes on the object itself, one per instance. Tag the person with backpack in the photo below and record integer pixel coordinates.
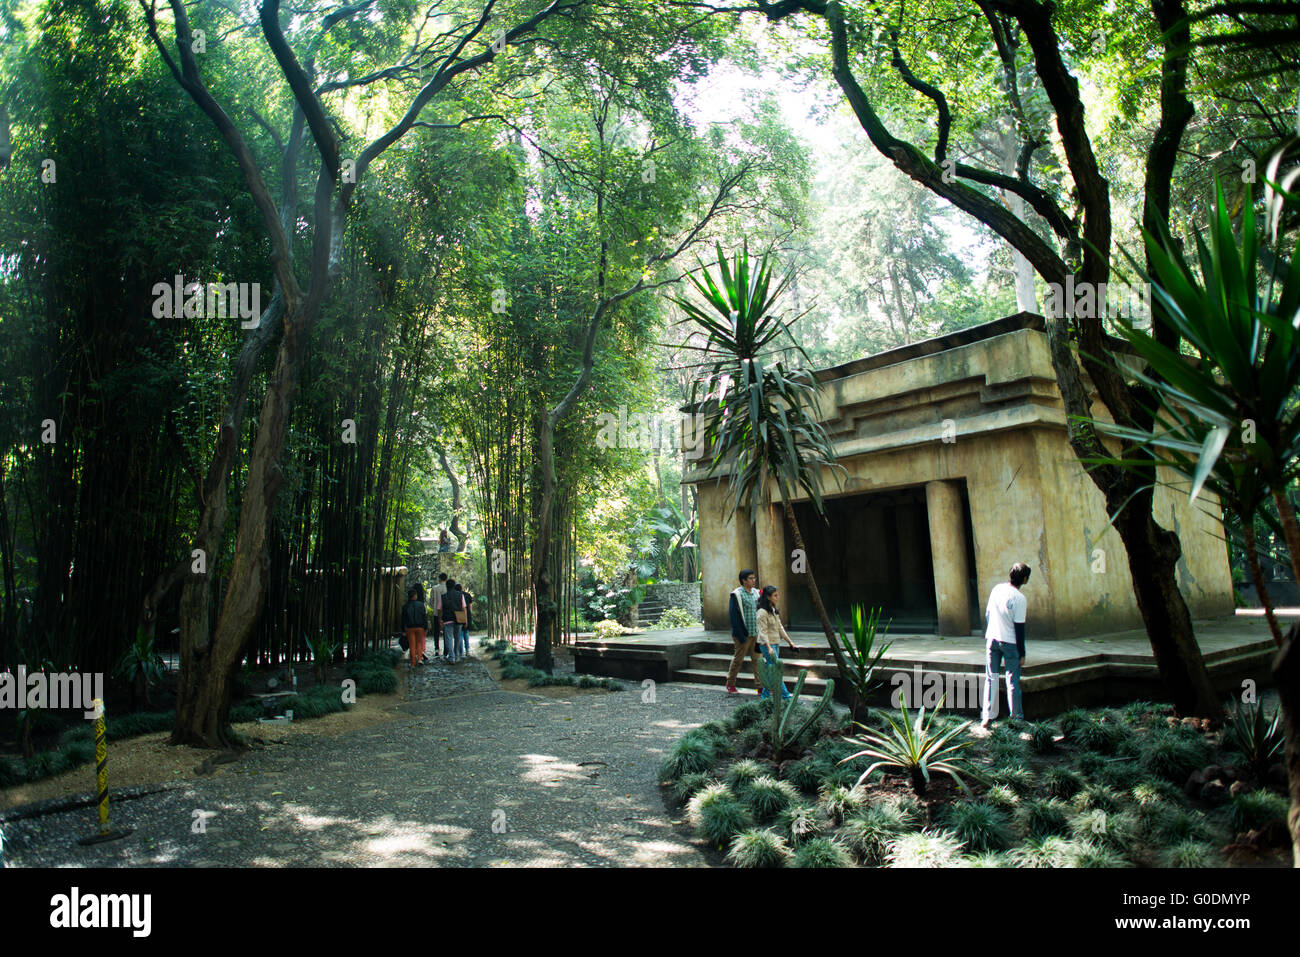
(455, 614)
(415, 623)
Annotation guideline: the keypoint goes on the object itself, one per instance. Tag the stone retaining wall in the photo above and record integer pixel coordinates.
(676, 596)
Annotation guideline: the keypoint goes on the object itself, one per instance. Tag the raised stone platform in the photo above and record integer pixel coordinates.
(1057, 675)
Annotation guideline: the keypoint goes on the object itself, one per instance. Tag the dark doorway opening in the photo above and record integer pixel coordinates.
(874, 550)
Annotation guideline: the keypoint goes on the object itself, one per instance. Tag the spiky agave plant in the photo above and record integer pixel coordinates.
(914, 747)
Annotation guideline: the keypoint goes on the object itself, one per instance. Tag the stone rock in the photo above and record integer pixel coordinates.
(1195, 782)
(1240, 787)
(1232, 773)
(1214, 793)
(272, 684)
(1212, 771)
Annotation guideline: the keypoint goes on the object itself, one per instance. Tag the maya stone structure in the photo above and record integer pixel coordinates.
(957, 466)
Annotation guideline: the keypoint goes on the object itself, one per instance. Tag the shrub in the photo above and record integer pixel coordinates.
(924, 849)
(608, 629)
(1136, 711)
(868, 834)
(688, 785)
(800, 822)
(805, 775)
(674, 618)
(822, 852)
(690, 754)
(1001, 795)
(1259, 738)
(767, 797)
(11, 773)
(1042, 818)
(747, 714)
(1254, 809)
(919, 749)
(991, 859)
(1016, 777)
(1098, 796)
(743, 773)
(1190, 854)
(1096, 826)
(376, 681)
(1173, 756)
(143, 722)
(1121, 775)
(1061, 782)
(838, 802)
(1042, 737)
(1067, 721)
(1170, 824)
(716, 815)
(45, 764)
(1097, 735)
(1049, 851)
(755, 848)
(979, 825)
(1090, 854)
(77, 753)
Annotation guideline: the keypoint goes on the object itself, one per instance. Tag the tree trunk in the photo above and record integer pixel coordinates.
(203, 693)
(1153, 554)
(1286, 672)
(1257, 574)
(836, 651)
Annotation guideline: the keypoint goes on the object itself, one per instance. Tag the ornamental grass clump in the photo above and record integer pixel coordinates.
(740, 775)
(1172, 755)
(838, 802)
(1049, 851)
(1061, 782)
(692, 753)
(1043, 818)
(1042, 737)
(924, 849)
(716, 815)
(1091, 854)
(821, 852)
(1255, 809)
(868, 835)
(1190, 854)
(688, 785)
(806, 775)
(1097, 735)
(759, 848)
(767, 797)
(1017, 777)
(800, 822)
(979, 825)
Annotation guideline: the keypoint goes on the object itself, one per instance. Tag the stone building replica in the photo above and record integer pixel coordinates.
(957, 466)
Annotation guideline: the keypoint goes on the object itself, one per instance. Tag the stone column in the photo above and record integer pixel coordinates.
(948, 553)
(773, 558)
(726, 546)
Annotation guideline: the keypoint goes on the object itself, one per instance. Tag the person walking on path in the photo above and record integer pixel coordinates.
(436, 594)
(454, 614)
(743, 607)
(415, 622)
(771, 631)
(1005, 638)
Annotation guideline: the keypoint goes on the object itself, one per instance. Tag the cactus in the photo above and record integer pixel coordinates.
(771, 672)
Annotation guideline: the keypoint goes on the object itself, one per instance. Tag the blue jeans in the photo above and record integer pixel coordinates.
(997, 651)
(773, 656)
(451, 639)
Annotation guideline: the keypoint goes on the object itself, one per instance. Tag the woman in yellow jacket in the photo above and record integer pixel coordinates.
(771, 631)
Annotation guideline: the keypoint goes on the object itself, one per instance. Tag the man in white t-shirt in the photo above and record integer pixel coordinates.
(1005, 639)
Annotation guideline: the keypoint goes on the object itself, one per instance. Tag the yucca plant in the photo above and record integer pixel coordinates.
(323, 649)
(912, 747)
(142, 666)
(861, 655)
(759, 413)
(1259, 739)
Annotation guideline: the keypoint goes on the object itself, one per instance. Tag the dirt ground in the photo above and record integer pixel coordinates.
(148, 759)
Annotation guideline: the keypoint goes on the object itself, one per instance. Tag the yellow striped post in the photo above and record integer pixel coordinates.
(101, 780)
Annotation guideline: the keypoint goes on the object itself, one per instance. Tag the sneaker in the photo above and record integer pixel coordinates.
(785, 695)
(764, 695)
(985, 724)
(732, 689)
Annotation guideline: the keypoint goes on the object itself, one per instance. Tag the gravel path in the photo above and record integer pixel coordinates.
(468, 775)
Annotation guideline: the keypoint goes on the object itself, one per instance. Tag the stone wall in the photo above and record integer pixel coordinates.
(465, 567)
(676, 596)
